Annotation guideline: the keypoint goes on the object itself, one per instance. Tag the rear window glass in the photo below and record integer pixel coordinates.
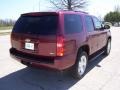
(43, 25)
(72, 23)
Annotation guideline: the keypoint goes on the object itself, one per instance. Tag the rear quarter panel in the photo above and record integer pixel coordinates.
(73, 42)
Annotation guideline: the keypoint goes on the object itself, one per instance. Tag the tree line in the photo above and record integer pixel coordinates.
(114, 16)
(7, 22)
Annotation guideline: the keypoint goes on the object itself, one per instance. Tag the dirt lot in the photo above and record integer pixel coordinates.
(103, 73)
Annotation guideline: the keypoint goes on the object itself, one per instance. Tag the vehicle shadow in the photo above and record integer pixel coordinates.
(37, 79)
(95, 63)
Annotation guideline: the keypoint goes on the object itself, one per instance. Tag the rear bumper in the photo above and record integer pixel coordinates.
(58, 63)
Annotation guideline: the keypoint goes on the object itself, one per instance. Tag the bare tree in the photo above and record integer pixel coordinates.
(69, 4)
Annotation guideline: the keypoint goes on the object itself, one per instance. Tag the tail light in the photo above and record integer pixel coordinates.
(60, 46)
(12, 36)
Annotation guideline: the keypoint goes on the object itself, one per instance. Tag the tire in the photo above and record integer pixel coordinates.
(80, 66)
(107, 47)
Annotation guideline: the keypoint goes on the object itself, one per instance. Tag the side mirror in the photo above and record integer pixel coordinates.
(106, 27)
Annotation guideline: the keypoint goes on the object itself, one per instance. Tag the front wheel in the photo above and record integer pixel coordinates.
(80, 65)
(108, 47)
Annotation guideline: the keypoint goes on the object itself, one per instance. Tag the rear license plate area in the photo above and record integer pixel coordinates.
(29, 46)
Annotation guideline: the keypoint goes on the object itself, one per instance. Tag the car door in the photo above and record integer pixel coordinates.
(102, 34)
(92, 35)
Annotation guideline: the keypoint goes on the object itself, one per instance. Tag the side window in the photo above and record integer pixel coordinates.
(89, 24)
(97, 23)
(72, 23)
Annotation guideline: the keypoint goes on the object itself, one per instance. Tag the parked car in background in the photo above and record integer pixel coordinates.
(59, 40)
(117, 24)
(108, 23)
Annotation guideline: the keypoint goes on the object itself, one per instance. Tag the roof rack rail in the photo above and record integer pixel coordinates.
(82, 12)
(77, 11)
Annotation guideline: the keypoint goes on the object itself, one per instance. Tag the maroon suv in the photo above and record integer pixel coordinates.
(59, 40)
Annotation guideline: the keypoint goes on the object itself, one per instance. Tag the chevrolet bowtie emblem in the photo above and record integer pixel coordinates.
(27, 40)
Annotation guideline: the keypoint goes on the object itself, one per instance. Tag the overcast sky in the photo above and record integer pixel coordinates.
(11, 9)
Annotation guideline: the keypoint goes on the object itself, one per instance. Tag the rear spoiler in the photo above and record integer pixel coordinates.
(39, 13)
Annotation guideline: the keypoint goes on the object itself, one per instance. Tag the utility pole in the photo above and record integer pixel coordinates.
(39, 5)
(33, 8)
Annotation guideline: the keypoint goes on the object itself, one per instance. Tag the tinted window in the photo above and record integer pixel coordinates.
(97, 23)
(72, 23)
(89, 24)
(43, 25)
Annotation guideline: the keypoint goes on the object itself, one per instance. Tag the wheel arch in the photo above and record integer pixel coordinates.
(84, 48)
(109, 38)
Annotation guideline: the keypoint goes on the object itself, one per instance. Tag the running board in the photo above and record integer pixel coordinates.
(97, 55)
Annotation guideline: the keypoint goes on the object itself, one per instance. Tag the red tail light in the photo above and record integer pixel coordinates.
(60, 46)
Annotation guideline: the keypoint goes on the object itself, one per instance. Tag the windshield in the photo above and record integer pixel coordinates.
(42, 25)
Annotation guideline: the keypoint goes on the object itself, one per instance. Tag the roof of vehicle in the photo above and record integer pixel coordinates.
(54, 12)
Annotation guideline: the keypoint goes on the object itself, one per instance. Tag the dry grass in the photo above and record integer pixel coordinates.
(6, 28)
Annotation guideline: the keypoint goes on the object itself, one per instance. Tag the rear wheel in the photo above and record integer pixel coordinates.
(108, 47)
(81, 65)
